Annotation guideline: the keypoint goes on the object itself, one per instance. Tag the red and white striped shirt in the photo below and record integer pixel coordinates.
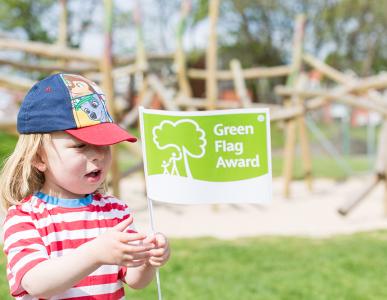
(45, 227)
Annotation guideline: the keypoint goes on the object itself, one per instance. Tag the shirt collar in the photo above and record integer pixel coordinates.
(68, 203)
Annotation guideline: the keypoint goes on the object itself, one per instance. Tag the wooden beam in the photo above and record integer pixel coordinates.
(197, 103)
(131, 59)
(239, 83)
(124, 71)
(46, 50)
(50, 68)
(166, 96)
(131, 118)
(341, 94)
(327, 70)
(15, 82)
(250, 73)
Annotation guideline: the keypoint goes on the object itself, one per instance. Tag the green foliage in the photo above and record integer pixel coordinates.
(356, 29)
(7, 144)
(27, 16)
(350, 34)
(37, 19)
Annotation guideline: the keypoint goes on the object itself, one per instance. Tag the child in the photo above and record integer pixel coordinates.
(62, 237)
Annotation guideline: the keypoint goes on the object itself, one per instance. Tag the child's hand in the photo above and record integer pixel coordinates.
(161, 252)
(117, 247)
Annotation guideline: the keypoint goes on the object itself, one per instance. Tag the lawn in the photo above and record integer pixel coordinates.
(271, 268)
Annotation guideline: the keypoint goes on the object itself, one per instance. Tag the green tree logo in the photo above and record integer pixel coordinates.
(173, 135)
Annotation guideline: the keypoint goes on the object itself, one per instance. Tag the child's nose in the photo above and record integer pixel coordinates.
(98, 152)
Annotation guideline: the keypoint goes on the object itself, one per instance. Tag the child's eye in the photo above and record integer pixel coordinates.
(79, 146)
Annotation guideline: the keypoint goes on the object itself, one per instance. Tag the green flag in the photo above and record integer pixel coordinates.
(207, 157)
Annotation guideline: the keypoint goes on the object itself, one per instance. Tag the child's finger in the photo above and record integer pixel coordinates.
(125, 237)
(136, 256)
(124, 224)
(158, 252)
(134, 263)
(150, 239)
(161, 240)
(158, 261)
(135, 248)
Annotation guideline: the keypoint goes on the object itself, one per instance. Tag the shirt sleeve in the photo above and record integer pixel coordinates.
(23, 247)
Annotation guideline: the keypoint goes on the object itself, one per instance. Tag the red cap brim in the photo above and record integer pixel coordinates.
(102, 134)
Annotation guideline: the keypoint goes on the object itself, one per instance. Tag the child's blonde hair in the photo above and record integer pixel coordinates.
(19, 178)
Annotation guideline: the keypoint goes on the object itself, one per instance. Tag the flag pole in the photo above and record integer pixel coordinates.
(150, 208)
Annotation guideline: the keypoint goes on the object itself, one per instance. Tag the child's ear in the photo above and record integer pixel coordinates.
(39, 163)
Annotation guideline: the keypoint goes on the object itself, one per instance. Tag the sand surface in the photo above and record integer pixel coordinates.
(304, 214)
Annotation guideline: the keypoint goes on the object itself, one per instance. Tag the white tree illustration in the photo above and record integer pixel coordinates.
(174, 135)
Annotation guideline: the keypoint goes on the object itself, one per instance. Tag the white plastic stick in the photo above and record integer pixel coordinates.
(150, 208)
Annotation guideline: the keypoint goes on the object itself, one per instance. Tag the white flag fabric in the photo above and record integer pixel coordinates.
(220, 156)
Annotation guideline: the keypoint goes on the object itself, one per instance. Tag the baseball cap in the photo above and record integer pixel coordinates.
(70, 103)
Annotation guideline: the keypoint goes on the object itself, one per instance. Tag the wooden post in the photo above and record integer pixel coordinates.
(180, 58)
(62, 37)
(239, 83)
(299, 83)
(298, 44)
(141, 61)
(289, 151)
(211, 56)
(290, 130)
(381, 160)
(108, 86)
(381, 171)
(305, 151)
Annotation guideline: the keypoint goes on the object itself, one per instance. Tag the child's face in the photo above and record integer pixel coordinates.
(73, 168)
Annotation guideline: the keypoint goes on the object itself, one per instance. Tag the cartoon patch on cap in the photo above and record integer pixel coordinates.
(88, 101)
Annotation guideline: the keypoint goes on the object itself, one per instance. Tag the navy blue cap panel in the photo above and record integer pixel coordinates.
(46, 108)
(71, 103)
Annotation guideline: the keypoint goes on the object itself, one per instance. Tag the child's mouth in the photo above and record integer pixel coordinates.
(94, 176)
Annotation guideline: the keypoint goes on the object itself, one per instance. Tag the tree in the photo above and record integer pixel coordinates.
(355, 32)
(349, 34)
(173, 135)
(26, 16)
(38, 20)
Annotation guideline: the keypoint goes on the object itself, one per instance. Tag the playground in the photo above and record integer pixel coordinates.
(328, 135)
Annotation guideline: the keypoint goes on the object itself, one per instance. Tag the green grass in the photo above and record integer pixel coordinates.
(346, 267)
(323, 167)
(271, 268)
(333, 132)
(7, 144)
